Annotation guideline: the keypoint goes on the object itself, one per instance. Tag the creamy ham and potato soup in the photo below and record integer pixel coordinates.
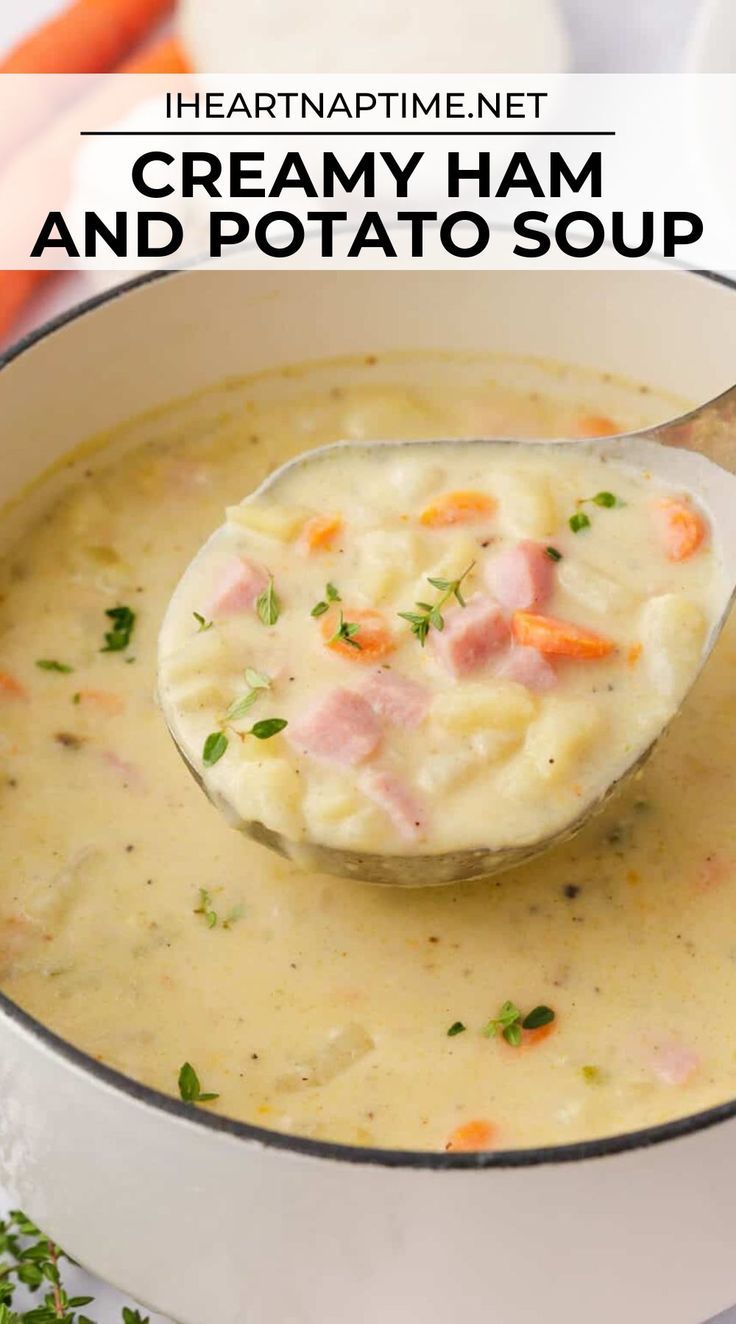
(433, 648)
(589, 992)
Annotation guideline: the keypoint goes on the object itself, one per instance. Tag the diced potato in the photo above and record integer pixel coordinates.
(385, 559)
(672, 631)
(413, 483)
(460, 552)
(501, 705)
(343, 1048)
(562, 735)
(379, 415)
(336, 813)
(201, 693)
(269, 791)
(203, 653)
(526, 507)
(592, 588)
(273, 521)
(444, 770)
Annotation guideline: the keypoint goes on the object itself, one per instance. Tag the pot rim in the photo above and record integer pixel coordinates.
(605, 1147)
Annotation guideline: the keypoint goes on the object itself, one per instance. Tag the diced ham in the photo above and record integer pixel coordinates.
(404, 808)
(471, 636)
(673, 1063)
(341, 728)
(396, 699)
(521, 577)
(527, 666)
(241, 583)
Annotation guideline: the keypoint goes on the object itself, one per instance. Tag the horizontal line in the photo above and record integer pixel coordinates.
(347, 133)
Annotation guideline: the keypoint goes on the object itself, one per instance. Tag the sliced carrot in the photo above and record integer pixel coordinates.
(320, 532)
(373, 638)
(531, 1037)
(469, 1136)
(596, 425)
(104, 700)
(87, 37)
(558, 638)
(457, 508)
(167, 56)
(11, 688)
(681, 528)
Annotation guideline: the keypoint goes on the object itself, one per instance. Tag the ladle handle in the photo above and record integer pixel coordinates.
(710, 430)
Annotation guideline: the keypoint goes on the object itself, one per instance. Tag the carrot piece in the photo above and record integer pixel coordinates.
(634, 654)
(16, 288)
(373, 639)
(595, 425)
(87, 37)
(320, 532)
(558, 638)
(457, 508)
(680, 526)
(10, 687)
(469, 1136)
(167, 56)
(531, 1037)
(104, 700)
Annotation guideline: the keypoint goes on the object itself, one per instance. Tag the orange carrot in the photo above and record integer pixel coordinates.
(469, 1136)
(167, 56)
(320, 532)
(87, 37)
(11, 688)
(104, 700)
(634, 654)
(16, 288)
(681, 528)
(373, 637)
(595, 425)
(457, 508)
(558, 638)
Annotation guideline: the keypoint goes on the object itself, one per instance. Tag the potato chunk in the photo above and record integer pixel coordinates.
(282, 523)
(269, 791)
(385, 559)
(672, 633)
(592, 588)
(559, 739)
(526, 507)
(501, 706)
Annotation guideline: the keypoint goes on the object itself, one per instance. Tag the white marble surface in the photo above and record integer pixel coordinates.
(606, 35)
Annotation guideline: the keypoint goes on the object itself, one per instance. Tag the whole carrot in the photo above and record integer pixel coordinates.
(87, 37)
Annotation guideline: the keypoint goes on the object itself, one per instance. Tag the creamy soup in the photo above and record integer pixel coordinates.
(139, 926)
(436, 648)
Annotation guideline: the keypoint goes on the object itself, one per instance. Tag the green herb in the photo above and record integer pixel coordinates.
(49, 664)
(236, 913)
(123, 622)
(345, 631)
(553, 554)
(457, 1027)
(593, 1075)
(202, 622)
(430, 614)
(606, 499)
(579, 521)
(510, 1022)
(239, 707)
(257, 680)
(77, 698)
(29, 1260)
(268, 604)
(331, 595)
(189, 1087)
(270, 726)
(205, 908)
(214, 748)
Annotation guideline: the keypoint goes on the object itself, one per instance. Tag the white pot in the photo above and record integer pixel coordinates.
(219, 1223)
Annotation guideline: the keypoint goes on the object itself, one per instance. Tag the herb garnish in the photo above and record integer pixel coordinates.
(331, 595)
(593, 1075)
(345, 632)
(30, 1260)
(553, 554)
(257, 682)
(270, 726)
(606, 499)
(579, 521)
(123, 622)
(430, 614)
(214, 748)
(189, 1087)
(457, 1027)
(268, 604)
(510, 1022)
(202, 622)
(205, 908)
(50, 664)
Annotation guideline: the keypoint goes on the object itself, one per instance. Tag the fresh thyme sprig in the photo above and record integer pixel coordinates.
(190, 1090)
(331, 595)
(430, 614)
(268, 604)
(510, 1022)
(346, 632)
(123, 624)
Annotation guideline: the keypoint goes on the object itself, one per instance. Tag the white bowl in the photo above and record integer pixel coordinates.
(214, 1221)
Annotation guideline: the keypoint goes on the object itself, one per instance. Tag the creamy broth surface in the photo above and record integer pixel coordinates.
(137, 925)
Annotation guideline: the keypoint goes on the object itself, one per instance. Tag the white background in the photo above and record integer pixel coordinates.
(606, 35)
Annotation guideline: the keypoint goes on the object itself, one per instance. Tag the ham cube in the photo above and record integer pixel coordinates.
(527, 666)
(240, 584)
(398, 700)
(340, 728)
(404, 808)
(521, 577)
(472, 635)
(673, 1063)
